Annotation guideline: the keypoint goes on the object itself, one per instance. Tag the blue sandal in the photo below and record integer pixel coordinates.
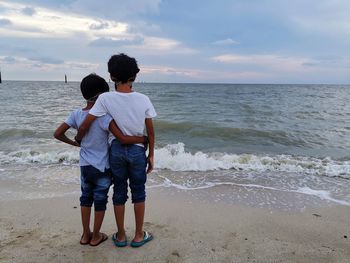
(146, 238)
(119, 243)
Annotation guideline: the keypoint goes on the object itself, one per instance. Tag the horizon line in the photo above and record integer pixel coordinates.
(202, 83)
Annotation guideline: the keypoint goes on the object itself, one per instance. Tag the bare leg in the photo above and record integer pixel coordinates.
(96, 235)
(119, 213)
(139, 209)
(85, 219)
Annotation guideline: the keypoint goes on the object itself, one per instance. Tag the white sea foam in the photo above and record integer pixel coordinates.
(247, 171)
(29, 156)
(322, 194)
(174, 157)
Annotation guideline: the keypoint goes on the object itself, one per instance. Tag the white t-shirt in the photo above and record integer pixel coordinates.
(129, 110)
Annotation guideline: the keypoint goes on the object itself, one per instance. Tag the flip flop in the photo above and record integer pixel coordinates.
(146, 238)
(85, 243)
(103, 239)
(119, 243)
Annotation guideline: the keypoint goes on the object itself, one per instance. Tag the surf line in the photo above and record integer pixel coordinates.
(324, 195)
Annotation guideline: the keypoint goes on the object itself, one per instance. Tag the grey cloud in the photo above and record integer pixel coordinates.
(37, 65)
(309, 64)
(108, 42)
(9, 60)
(112, 8)
(53, 17)
(328, 58)
(15, 50)
(23, 49)
(5, 22)
(99, 26)
(83, 65)
(47, 60)
(48, 3)
(29, 11)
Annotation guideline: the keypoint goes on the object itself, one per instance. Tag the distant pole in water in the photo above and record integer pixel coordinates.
(65, 78)
(0, 77)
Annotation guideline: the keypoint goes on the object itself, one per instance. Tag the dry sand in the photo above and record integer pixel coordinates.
(185, 230)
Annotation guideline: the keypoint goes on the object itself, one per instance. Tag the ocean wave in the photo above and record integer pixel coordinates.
(16, 133)
(174, 157)
(202, 130)
(29, 156)
(20, 134)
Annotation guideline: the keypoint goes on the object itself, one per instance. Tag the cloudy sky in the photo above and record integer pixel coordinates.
(225, 41)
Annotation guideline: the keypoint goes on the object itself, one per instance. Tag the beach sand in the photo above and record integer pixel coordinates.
(185, 230)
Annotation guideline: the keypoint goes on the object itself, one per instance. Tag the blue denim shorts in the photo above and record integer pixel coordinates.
(94, 187)
(128, 163)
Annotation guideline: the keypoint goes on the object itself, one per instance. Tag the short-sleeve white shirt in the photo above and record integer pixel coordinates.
(129, 110)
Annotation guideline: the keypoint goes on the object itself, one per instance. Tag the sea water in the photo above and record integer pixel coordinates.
(247, 143)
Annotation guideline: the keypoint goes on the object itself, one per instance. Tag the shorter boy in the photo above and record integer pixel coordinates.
(94, 158)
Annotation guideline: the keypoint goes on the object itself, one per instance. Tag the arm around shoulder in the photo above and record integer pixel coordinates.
(84, 127)
(123, 139)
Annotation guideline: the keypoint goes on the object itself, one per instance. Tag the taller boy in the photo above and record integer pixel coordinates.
(132, 111)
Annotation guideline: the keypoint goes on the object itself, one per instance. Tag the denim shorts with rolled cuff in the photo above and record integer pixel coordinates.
(94, 187)
(128, 164)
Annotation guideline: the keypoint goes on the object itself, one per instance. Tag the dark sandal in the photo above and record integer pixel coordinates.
(103, 239)
(85, 243)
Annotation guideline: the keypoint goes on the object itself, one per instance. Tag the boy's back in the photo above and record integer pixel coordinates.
(129, 110)
(94, 146)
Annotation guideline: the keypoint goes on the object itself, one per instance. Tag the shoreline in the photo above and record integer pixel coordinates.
(186, 230)
(275, 191)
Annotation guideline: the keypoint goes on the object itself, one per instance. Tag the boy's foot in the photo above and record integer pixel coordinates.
(117, 242)
(85, 239)
(103, 238)
(146, 238)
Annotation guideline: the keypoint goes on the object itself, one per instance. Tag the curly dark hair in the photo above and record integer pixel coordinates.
(122, 68)
(93, 85)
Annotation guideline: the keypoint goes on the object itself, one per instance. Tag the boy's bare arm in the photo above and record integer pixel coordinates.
(84, 127)
(60, 134)
(150, 134)
(123, 139)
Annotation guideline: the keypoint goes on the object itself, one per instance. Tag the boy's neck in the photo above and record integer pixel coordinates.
(124, 88)
(89, 105)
